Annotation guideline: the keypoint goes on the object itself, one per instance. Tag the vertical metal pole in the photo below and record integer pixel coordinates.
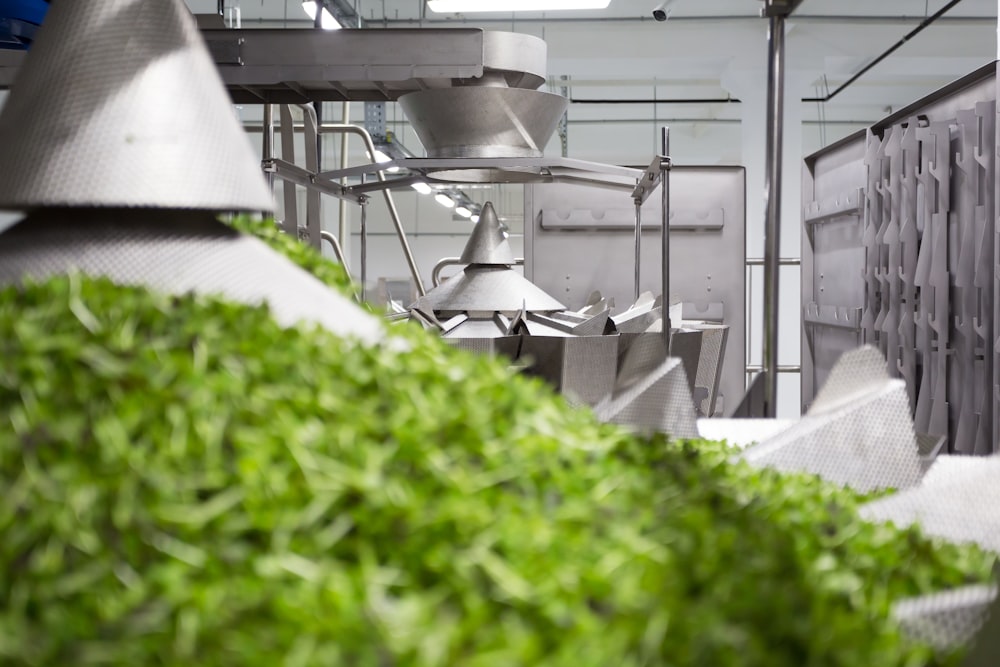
(665, 233)
(638, 245)
(345, 228)
(364, 248)
(772, 215)
(268, 149)
(318, 19)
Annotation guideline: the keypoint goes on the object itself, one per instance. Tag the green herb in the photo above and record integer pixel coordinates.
(187, 483)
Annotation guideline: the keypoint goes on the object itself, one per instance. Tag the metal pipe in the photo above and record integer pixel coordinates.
(772, 202)
(268, 139)
(456, 261)
(638, 246)
(364, 249)
(389, 202)
(344, 230)
(665, 231)
(885, 54)
(337, 249)
(781, 369)
(784, 261)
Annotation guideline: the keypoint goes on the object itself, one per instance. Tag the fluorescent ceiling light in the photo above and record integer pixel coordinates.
(422, 188)
(469, 6)
(464, 212)
(444, 200)
(474, 218)
(328, 22)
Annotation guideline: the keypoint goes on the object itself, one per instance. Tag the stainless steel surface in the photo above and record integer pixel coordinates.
(582, 368)
(445, 262)
(947, 620)
(654, 397)
(899, 251)
(638, 247)
(772, 202)
(487, 244)
(474, 121)
(314, 203)
(665, 232)
(487, 288)
(291, 200)
(364, 250)
(267, 149)
(858, 432)
(579, 240)
(176, 252)
(390, 203)
(86, 123)
(986, 645)
(298, 66)
(535, 170)
(337, 249)
(956, 502)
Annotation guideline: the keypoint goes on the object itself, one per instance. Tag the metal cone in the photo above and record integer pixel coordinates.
(487, 244)
(119, 105)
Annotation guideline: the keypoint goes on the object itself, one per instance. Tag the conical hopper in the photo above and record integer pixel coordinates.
(487, 289)
(483, 121)
(487, 244)
(119, 104)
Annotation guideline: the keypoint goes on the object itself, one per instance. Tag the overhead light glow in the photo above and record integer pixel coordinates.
(469, 6)
(444, 200)
(328, 22)
(422, 188)
(474, 218)
(464, 212)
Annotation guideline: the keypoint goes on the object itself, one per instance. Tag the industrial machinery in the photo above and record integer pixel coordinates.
(113, 192)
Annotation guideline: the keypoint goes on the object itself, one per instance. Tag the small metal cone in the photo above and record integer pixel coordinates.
(487, 244)
(120, 105)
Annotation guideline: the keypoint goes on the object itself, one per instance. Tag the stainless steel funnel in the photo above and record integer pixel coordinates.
(483, 121)
(119, 105)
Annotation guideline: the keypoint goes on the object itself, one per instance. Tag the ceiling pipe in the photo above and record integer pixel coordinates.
(885, 54)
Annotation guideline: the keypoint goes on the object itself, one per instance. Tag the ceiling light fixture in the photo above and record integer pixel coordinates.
(444, 200)
(328, 22)
(464, 212)
(382, 158)
(469, 6)
(422, 188)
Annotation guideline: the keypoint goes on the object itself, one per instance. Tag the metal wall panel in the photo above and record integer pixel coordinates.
(916, 260)
(580, 239)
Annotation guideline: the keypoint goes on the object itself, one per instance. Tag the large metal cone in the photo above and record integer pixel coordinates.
(487, 244)
(487, 289)
(119, 105)
(176, 252)
(478, 121)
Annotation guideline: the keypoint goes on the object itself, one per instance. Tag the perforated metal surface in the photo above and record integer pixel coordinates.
(175, 253)
(713, 347)
(119, 105)
(957, 502)
(858, 432)
(948, 619)
(657, 400)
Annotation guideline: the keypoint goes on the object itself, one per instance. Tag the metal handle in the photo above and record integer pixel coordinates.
(456, 261)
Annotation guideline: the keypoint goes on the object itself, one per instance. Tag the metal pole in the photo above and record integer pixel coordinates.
(364, 248)
(638, 245)
(772, 216)
(665, 233)
(268, 149)
(345, 228)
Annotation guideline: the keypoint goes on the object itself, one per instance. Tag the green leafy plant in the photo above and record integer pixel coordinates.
(185, 482)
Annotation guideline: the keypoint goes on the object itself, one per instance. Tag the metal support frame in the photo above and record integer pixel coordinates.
(665, 231)
(776, 11)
